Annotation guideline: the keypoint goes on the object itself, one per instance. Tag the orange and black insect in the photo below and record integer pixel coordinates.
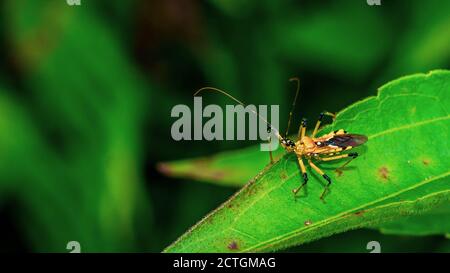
(328, 147)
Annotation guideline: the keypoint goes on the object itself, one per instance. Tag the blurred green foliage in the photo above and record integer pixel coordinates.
(86, 93)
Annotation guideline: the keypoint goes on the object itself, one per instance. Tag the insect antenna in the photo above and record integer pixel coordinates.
(293, 104)
(213, 89)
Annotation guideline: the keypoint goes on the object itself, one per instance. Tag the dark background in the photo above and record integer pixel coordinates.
(86, 93)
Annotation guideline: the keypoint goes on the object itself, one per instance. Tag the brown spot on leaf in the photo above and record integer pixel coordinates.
(359, 213)
(338, 172)
(233, 206)
(233, 245)
(384, 173)
(426, 162)
(283, 175)
(307, 223)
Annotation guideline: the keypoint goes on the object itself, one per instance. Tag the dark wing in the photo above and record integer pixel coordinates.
(346, 140)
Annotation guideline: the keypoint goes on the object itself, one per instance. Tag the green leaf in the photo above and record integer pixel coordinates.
(434, 222)
(233, 168)
(402, 170)
(425, 42)
(96, 120)
(327, 38)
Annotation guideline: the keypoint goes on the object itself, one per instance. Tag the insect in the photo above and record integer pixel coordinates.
(312, 149)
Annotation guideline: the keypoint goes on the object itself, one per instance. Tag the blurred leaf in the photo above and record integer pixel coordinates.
(17, 137)
(227, 168)
(355, 241)
(434, 222)
(444, 247)
(28, 171)
(334, 38)
(425, 43)
(240, 9)
(398, 174)
(86, 184)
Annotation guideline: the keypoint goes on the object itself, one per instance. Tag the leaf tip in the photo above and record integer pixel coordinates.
(164, 168)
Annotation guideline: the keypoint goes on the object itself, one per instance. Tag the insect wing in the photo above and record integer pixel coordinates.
(347, 140)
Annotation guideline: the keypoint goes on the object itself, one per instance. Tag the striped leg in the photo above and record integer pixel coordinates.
(339, 170)
(302, 129)
(304, 174)
(324, 113)
(326, 177)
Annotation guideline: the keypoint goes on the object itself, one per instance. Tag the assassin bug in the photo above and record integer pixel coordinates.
(327, 147)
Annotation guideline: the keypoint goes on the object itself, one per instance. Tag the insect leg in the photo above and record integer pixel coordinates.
(324, 113)
(353, 156)
(304, 175)
(326, 177)
(302, 129)
(335, 151)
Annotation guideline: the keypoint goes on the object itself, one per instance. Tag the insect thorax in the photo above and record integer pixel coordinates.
(313, 146)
